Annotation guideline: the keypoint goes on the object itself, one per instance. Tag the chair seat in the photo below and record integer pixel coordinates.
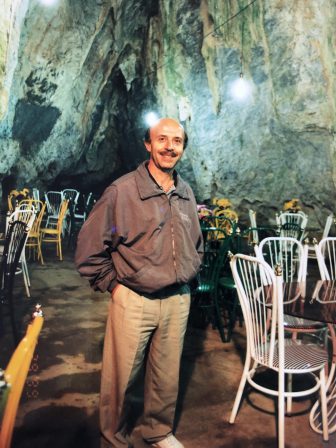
(300, 323)
(299, 356)
(227, 282)
(50, 231)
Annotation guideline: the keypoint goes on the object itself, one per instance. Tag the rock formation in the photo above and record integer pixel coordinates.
(77, 77)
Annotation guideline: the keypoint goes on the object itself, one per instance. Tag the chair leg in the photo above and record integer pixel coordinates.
(324, 410)
(25, 276)
(240, 388)
(289, 389)
(218, 317)
(60, 249)
(281, 411)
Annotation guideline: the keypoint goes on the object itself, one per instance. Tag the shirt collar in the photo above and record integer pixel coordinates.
(148, 187)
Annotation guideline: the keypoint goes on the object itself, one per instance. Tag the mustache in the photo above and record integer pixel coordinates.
(168, 152)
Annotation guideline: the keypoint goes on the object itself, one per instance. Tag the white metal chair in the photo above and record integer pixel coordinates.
(292, 256)
(253, 222)
(81, 215)
(25, 213)
(287, 252)
(326, 258)
(327, 227)
(261, 298)
(292, 224)
(72, 196)
(54, 200)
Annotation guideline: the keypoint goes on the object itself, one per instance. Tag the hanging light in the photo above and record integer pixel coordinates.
(241, 88)
(151, 118)
(48, 2)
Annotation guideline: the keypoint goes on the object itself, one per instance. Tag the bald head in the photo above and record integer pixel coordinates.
(161, 124)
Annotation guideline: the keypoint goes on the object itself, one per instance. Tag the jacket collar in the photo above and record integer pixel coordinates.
(147, 186)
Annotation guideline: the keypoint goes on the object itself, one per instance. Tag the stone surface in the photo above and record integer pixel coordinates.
(77, 78)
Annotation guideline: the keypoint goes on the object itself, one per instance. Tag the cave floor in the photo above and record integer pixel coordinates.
(59, 406)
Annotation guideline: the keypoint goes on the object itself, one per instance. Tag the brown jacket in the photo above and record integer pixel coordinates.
(138, 236)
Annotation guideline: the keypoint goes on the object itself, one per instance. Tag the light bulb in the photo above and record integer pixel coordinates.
(151, 118)
(241, 89)
(48, 2)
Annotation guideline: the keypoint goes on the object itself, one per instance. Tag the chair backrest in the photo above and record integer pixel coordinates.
(253, 223)
(286, 252)
(71, 194)
(37, 223)
(326, 258)
(54, 200)
(329, 221)
(216, 248)
(296, 218)
(15, 377)
(36, 194)
(291, 230)
(37, 204)
(15, 239)
(24, 213)
(62, 212)
(226, 221)
(261, 303)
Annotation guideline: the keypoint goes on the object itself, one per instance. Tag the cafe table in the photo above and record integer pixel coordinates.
(316, 300)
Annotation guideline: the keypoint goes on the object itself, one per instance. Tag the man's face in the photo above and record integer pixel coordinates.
(166, 145)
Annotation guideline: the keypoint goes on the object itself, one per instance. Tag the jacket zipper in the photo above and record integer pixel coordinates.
(173, 239)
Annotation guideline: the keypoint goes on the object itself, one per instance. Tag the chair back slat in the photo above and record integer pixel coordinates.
(258, 304)
(54, 201)
(326, 258)
(287, 252)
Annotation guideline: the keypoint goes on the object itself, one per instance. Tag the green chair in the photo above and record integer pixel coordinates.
(205, 295)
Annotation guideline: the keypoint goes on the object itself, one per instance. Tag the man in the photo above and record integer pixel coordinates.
(142, 242)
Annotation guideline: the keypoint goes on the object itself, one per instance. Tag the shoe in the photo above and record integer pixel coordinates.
(168, 442)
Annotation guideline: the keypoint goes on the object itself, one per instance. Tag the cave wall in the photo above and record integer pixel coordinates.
(77, 78)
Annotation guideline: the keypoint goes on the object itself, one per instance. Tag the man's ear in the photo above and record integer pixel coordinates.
(148, 146)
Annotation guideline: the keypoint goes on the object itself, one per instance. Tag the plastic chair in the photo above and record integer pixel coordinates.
(15, 377)
(261, 297)
(54, 236)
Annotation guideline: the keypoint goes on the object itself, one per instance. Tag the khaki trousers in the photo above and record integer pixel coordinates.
(135, 323)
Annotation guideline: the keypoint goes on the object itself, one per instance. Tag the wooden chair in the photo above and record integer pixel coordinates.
(34, 236)
(54, 235)
(261, 297)
(15, 377)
